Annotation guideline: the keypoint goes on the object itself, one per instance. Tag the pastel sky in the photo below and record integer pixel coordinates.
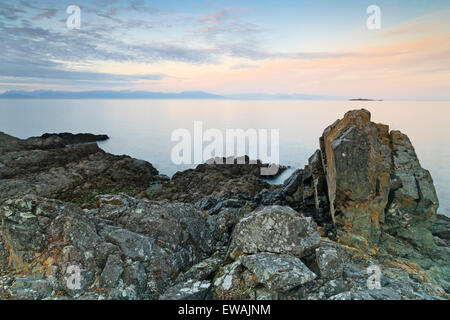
(318, 47)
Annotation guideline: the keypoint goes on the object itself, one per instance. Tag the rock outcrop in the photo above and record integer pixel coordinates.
(214, 180)
(376, 184)
(48, 167)
(79, 223)
(70, 138)
(124, 248)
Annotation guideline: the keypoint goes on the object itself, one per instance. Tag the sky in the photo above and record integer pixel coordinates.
(320, 47)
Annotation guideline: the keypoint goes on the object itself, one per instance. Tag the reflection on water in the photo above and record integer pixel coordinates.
(142, 128)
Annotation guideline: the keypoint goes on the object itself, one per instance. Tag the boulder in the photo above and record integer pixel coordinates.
(202, 270)
(329, 262)
(230, 283)
(112, 272)
(275, 229)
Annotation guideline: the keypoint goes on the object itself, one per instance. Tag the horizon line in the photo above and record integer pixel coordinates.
(184, 95)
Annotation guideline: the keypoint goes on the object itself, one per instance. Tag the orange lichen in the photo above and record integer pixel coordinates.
(411, 268)
(321, 230)
(12, 255)
(160, 244)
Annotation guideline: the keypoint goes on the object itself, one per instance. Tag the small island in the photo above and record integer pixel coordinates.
(363, 99)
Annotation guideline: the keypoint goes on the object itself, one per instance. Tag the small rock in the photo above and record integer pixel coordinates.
(189, 290)
(329, 262)
(112, 272)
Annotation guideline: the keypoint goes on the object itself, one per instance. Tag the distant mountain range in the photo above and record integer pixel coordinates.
(45, 94)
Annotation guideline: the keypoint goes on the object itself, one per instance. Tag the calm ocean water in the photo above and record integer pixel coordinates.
(143, 128)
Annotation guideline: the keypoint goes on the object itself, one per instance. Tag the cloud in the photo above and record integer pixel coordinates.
(47, 14)
(436, 22)
(205, 48)
(243, 66)
(10, 13)
(52, 72)
(141, 6)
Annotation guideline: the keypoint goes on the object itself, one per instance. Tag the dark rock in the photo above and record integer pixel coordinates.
(134, 275)
(216, 180)
(441, 227)
(230, 203)
(70, 138)
(329, 263)
(207, 203)
(112, 272)
(271, 198)
(291, 184)
(154, 188)
(75, 173)
(202, 270)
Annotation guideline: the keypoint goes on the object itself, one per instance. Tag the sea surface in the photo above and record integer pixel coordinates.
(143, 128)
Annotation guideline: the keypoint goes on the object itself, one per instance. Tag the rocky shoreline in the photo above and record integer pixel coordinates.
(362, 205)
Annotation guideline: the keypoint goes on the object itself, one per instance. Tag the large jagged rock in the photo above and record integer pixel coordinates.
(375, 183)
(275, 229)
(357, 160)
(48, 167)
(381, 200)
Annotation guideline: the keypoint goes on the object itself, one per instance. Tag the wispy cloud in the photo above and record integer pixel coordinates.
(210, 46)
(243, 66)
